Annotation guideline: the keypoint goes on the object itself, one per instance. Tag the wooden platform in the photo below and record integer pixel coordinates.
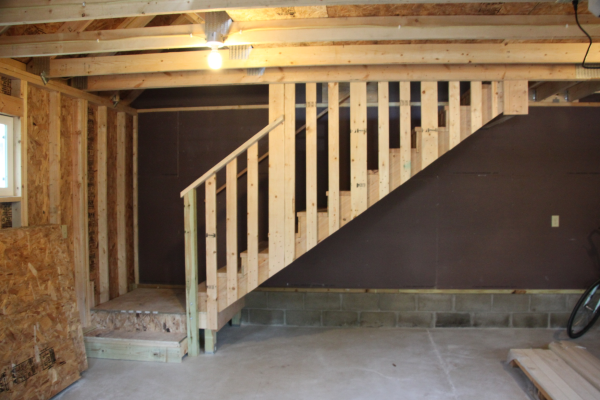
(555, 378)
(136, 346)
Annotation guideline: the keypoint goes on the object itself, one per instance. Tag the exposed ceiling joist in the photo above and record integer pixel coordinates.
(548, 89)
(511, 53)
(415, 72)
(582, 90)
(14, 12)
(317, 30)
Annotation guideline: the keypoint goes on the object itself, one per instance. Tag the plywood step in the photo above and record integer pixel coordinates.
(553, 378)
(578, 358)
(136, 346)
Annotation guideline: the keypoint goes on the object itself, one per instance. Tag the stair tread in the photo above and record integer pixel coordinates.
(169, 339)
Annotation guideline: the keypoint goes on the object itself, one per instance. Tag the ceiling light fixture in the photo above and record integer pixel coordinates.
(216, 27)
(214, 58)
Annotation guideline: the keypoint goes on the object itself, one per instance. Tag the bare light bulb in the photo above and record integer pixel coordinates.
(214, 59)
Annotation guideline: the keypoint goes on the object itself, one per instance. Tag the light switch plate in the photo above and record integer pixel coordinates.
(555, 221)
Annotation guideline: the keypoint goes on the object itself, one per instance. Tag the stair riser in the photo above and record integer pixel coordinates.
(133, 322)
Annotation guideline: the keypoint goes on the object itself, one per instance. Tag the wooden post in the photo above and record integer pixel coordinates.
(429, 123)
(486, 103)
(121, 204)
(210, 341)
(495, 106)
(289, 128)
(231, 232)
(190, 221)
(311, 166)
(212, 305)
(136, 237)
(80, 211)
(358, 148)
(476, 106)
(276, 181)
(101, 192)
(20, 88)
(516, 98)
(384, 138)
(333, 200)
(252, 262)
(405, 132)
(453, 114)
(54, 157)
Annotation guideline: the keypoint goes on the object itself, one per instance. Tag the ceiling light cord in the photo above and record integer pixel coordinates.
(575, 4)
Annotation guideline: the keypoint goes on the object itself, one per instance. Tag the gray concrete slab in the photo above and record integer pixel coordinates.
(266, 362)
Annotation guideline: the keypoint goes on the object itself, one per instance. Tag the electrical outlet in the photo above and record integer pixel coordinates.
(555, 221)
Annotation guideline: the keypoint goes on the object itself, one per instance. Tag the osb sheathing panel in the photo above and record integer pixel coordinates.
(38, 172)
(113, 269)
(92, 157)
(67, 108)
(41, 342)
(265, 14)
(129, 197)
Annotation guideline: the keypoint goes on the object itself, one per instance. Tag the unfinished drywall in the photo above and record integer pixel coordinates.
(479, 217)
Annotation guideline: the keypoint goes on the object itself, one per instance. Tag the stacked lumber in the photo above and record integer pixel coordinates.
(41, 339)
(564, 372)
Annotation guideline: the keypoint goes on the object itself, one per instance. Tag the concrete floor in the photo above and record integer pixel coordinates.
(255, 362)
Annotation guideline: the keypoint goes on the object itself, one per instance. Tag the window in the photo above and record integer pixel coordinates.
(7, 176)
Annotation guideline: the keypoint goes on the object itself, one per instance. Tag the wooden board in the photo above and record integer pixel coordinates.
(92, 193)
(333, 199)
(276, 181)
(190, 222)
(103, 286)
(41, 341)
(384, 138)
(311, 166)
(516, 97)
(136, 346)
(289, 128)
(429, 123)
(231, 232)
(578, 358)
(252, 267)
(54, 158)
(358, 147)
(552, 376)
(111, 177)
(121, 204)
(129, 234)
(212, 293)
(405, 133)
(465, 122)
(38, 174)
(476, 106)
(453, 114)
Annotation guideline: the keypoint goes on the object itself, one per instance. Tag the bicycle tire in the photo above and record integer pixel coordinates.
(575, 332)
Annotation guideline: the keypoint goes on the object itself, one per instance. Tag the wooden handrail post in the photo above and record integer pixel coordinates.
(191, 271)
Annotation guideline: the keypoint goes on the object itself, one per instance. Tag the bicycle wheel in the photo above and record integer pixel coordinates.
(585, 313)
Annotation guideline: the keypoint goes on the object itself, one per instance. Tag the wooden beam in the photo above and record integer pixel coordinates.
(212, 302)
(191, 271)
(429, 123)
(416, 72)
(102, 193)
(311, 166)
(8, 69)
(80, 209)
(54, 112)
(381, 54)
(453, 114)
(582, 90)
(231, 232)
(20, 90)
(121, 204)
(11, 105)
(358, 148)
(289, 129)
(14, 12)
(482, 27)
(516, 97)
(252, 262)
(405, 132)
(333, 120)
(547, 89)
(136, 236)
(476, 106)
(276, 181)
(384, 138)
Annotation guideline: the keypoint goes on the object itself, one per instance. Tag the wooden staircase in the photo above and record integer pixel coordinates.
(211, 304)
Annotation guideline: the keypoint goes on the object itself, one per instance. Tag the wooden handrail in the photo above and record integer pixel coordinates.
(233, 155)
(303, 127)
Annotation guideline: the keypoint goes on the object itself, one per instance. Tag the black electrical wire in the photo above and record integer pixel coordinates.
(575, 4)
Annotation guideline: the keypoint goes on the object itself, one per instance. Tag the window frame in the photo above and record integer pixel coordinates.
(10, 167)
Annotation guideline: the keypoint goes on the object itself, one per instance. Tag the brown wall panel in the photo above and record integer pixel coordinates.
(38, 174)
(112, 202)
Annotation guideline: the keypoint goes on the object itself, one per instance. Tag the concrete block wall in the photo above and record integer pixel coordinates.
(407, 310)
